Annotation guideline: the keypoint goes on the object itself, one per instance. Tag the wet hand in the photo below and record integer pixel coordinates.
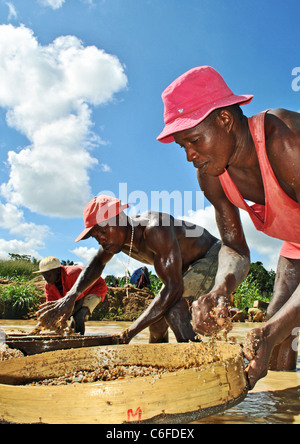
(210, 314)
(55, 314)
(125, 338)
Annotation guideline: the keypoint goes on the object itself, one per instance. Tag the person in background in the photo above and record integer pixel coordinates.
(60, 280)
(140, 278)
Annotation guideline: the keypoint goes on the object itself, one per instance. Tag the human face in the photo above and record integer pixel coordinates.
(208, 145)
(52, 276)
(110, 236)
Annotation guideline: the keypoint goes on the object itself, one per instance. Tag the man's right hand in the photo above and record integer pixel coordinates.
(125, 338)
(210, 313)
(55, 314)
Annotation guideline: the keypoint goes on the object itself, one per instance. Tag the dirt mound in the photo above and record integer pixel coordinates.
(117, 306)
(38, 282)
(120, 307)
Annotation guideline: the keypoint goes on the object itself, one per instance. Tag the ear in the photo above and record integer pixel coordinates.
(122, 220)
(225, 119)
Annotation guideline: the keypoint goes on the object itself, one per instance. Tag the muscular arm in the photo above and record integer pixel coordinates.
(52, 314)
(168, 266)
(90, 274)
(234, 259)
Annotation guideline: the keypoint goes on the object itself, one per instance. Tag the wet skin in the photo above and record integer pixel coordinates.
(223, 141)
(53, 277)
(158, 240)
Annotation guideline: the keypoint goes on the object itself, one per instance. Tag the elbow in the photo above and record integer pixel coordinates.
(172, 296)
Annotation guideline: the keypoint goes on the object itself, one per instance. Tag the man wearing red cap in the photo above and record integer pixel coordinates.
(240, 160)
(185, 257)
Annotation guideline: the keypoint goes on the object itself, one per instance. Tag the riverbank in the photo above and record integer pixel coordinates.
(120, 304)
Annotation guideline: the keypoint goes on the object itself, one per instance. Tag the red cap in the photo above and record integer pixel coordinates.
(100, 209)
(192, 97)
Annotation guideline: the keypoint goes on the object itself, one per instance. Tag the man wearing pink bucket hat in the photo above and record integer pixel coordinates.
(240, 160)
(184, 255)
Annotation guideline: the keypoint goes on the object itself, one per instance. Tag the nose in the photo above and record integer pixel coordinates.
(100, 238)
(191, 154)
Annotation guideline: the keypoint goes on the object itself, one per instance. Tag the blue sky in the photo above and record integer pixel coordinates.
(80, 106)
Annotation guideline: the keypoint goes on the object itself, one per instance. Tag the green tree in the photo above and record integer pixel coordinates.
(19, 257)
(67, 263)
(258, 286)
(156, 283)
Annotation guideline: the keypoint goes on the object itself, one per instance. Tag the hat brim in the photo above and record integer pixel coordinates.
(193, 119)
(86, 232)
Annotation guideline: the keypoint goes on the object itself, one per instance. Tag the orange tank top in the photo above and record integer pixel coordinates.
(280, 216)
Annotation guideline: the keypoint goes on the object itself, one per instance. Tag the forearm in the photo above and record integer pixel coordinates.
(286, 321)
(155, 311)
(90, 274)
(232, 270)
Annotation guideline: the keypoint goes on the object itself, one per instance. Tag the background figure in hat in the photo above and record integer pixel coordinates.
(185, 258)
(238, 160)
(59, 281)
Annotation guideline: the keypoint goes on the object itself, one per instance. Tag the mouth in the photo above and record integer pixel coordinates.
(107, 247)
(200, 165)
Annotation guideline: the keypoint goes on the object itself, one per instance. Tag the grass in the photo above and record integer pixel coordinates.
(17, 270)
(18, 301)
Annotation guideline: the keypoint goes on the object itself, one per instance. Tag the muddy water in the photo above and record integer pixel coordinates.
(275, 399)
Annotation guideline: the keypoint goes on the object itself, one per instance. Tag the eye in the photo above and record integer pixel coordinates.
(195, 140)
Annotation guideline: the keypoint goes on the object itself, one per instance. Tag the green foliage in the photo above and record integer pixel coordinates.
(113, 281)
(17, 270)
(18, 301)
(156, 283)
(67, 263)
(258, 286)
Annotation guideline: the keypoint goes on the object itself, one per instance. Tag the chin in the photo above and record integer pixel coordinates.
(216, 172)
(115, 249)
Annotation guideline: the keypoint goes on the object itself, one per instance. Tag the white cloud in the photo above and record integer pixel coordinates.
(12, 14)
(47, 92)
(105, 168)
(30, 247)
(32, 235)
(54, 4)
(84, 253)
(12, 219)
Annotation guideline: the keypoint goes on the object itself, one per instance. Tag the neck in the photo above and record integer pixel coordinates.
(244, 153)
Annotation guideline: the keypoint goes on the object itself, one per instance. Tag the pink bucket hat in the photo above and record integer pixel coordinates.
(192, 97)
(100, 209)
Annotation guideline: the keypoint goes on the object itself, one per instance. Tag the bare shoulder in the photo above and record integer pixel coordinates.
(283, 128)
(159, 231)
(283, 148)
